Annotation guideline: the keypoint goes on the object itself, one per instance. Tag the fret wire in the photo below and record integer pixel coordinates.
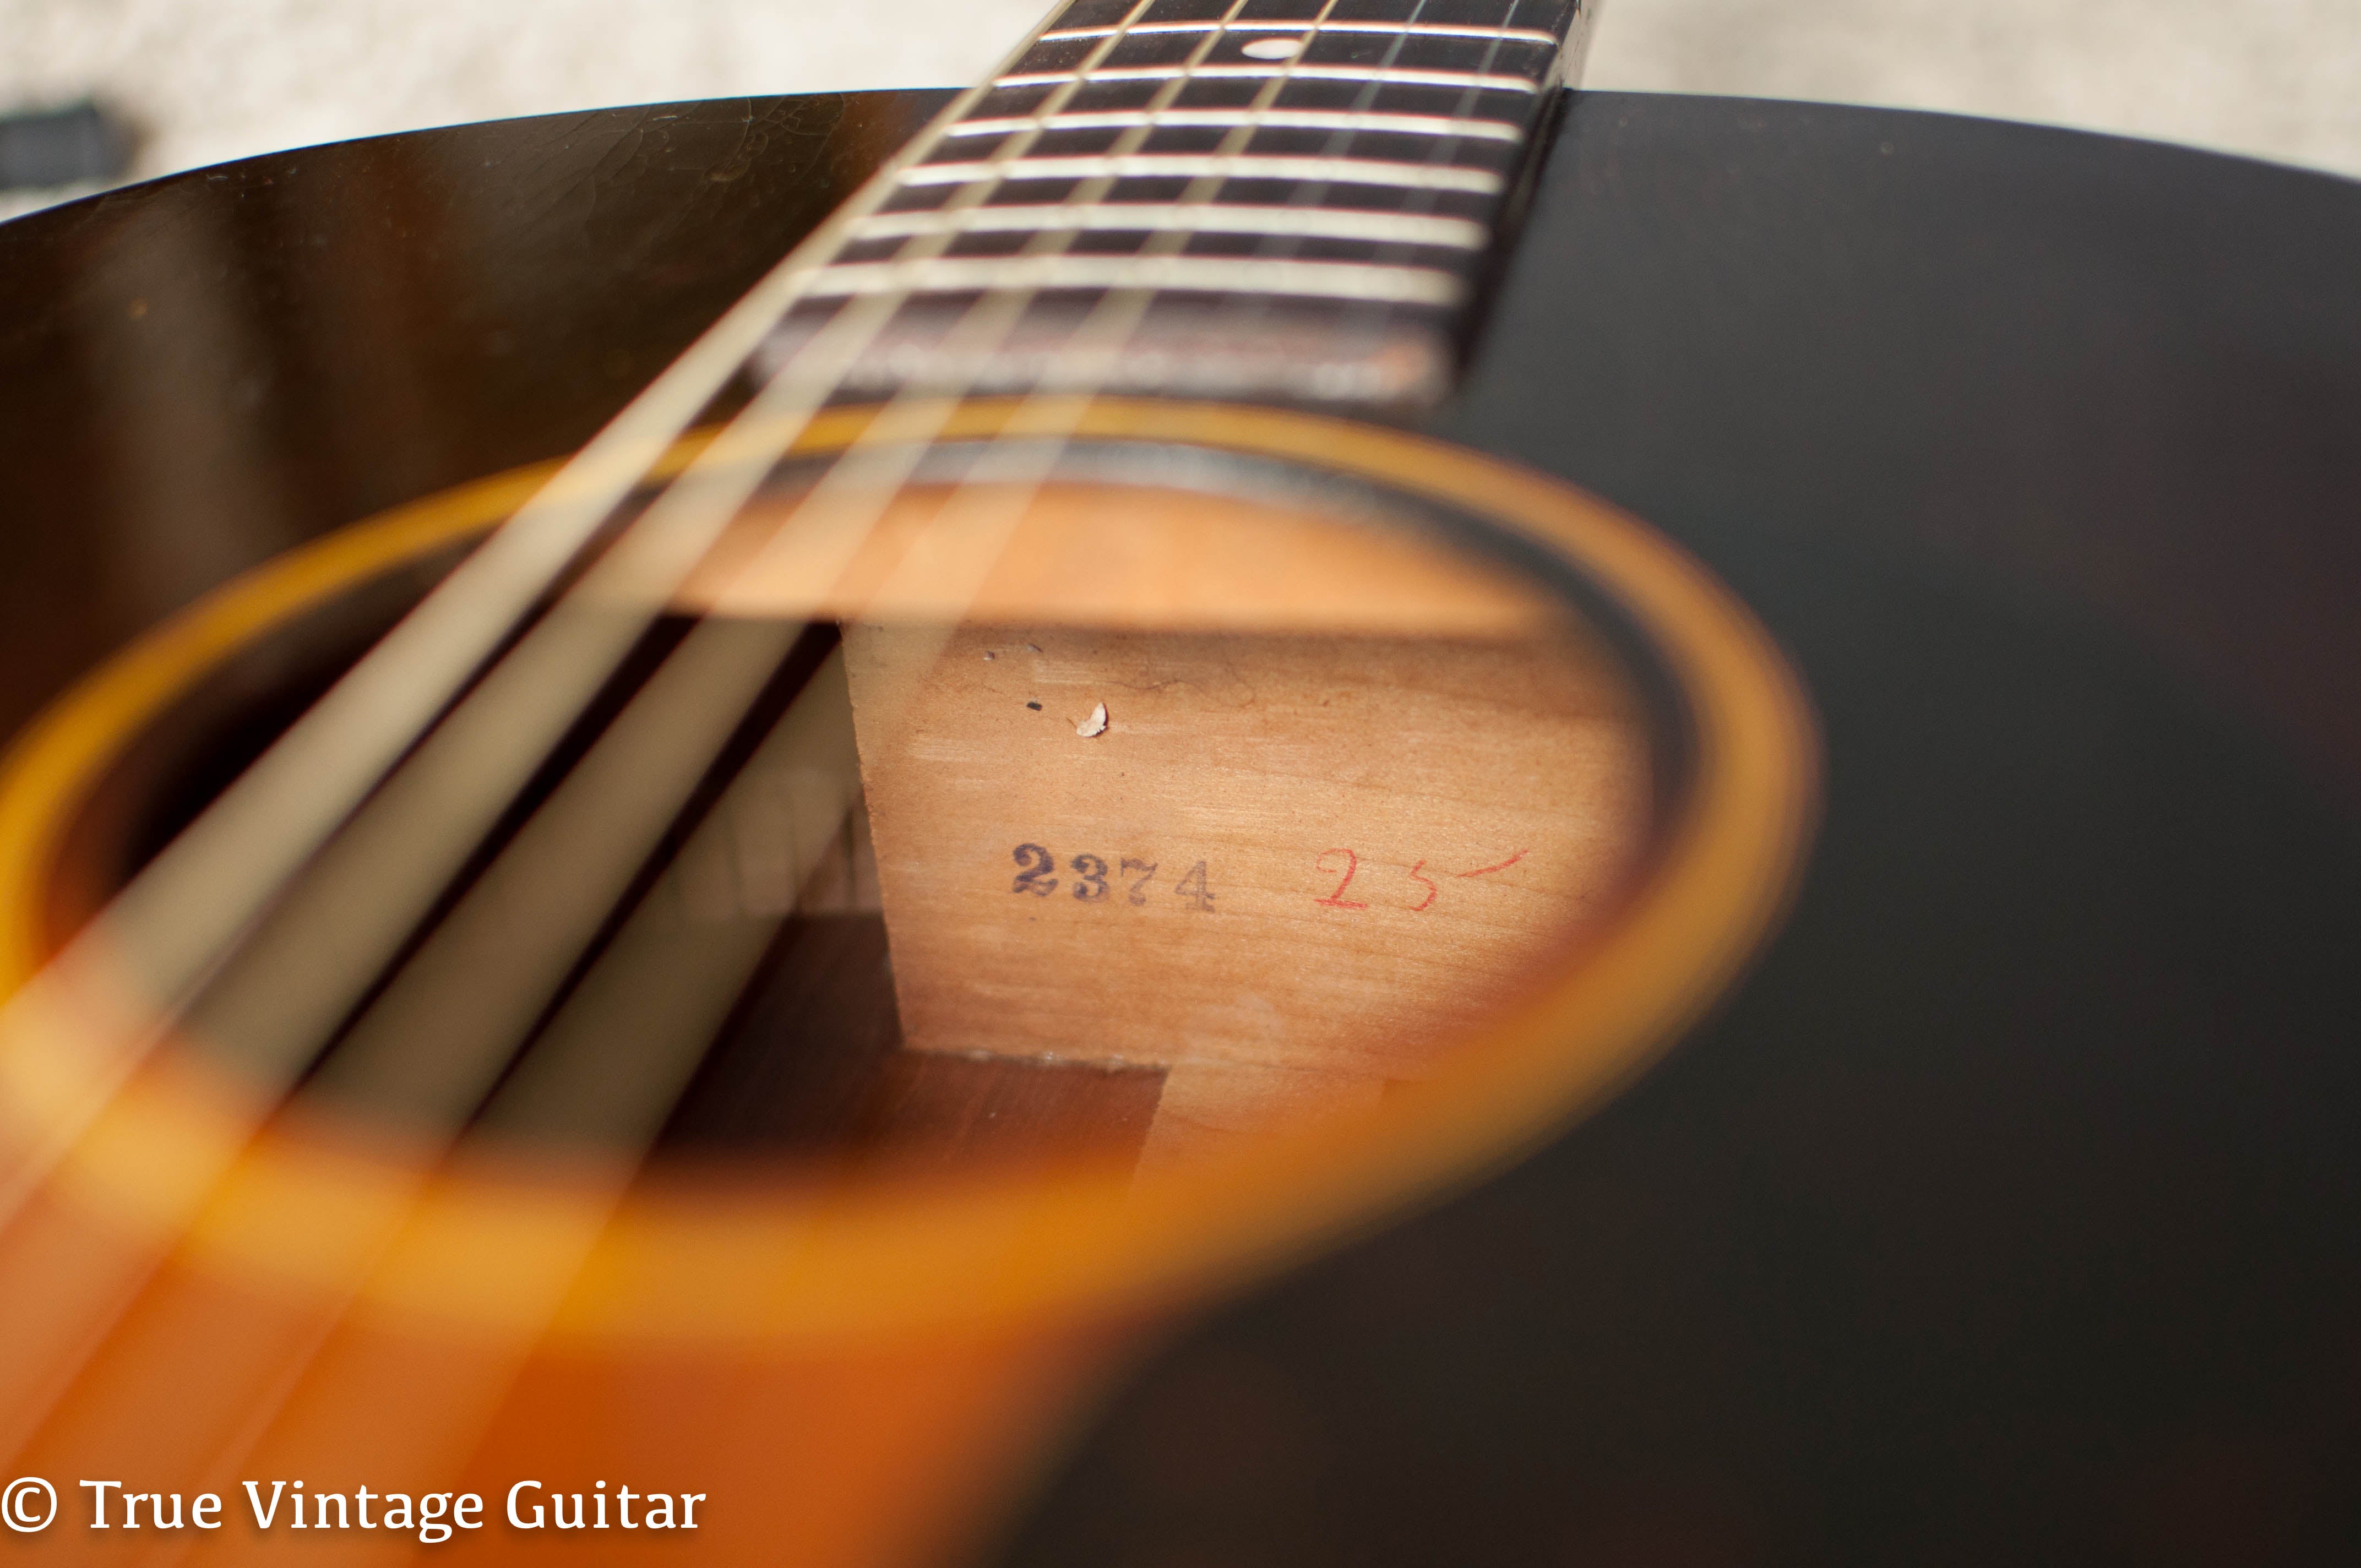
(992, 171)
(673, 404)
(248, 846)
(1133, 138)
(1492, 56)
(828, 241)
(1239, 138)
(1474, 83)
(1097, 186)
(1134, 281)
(1426, 30)
(1116, 316)
(813, 286)
(1266, 98)
(1355, 281)
(1342, 143)
(1281, 119)
(1223, 166)
(1135, 299)
(1054, 226)
(1412, 76)
(1206, 184)
(1210, 173)
(1058, 97)
(1206, 217)
(1165, 96)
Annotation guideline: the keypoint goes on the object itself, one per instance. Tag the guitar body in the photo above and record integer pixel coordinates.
(2010, 1207)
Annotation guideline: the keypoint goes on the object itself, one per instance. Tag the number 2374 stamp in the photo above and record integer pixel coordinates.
(1099, 879)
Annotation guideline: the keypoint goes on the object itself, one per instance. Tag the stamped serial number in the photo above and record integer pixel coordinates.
(1094, 879)
(1097, 879)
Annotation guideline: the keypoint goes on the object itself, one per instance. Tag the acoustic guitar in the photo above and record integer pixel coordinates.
(1071, 896)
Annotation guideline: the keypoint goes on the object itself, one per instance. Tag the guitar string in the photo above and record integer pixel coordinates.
(165, 931)
(1018, 496)
(1274, 91)
(688, 1040)
(67, 996)
(513, 939)
(712, 674)
(475, 951)
(980, 515)
(1243, 314)
(728, 985)
(1145, 295)
(627, 988)
(1011, 505)
(1051, 105)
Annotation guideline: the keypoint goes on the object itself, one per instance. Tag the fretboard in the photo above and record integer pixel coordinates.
(1287, 199)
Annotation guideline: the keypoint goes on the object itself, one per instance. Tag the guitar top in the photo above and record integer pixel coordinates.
(2007, 1206)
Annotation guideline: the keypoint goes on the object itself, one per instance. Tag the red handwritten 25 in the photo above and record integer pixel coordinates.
(1352, 869)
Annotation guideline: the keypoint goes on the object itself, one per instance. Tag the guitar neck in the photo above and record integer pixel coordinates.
(1289, 199)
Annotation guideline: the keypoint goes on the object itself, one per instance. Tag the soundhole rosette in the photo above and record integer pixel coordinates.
(1303, 992)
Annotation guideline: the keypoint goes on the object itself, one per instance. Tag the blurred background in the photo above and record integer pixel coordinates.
(205, 80)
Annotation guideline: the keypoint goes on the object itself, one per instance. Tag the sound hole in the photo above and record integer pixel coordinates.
(1098, 820)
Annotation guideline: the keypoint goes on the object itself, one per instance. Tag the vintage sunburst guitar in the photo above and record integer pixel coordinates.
(904, 858)
(1077, 752)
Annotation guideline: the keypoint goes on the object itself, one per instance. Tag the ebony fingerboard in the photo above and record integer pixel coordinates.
(1288, 199)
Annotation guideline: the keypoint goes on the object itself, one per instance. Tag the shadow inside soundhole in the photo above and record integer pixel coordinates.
(810, 1063)
(813, 1061)
(1129, 817)
(211, 731)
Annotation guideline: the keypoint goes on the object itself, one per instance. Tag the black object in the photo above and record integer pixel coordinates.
(2011, 1209)
(63, 146)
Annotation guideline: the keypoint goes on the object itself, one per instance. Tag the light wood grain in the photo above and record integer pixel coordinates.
(1104, 554)
(1331, 837)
